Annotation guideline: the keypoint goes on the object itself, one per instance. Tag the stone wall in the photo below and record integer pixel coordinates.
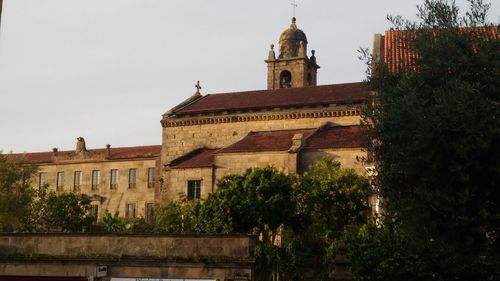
(180, 177)
(110, 199)
(346, 156)
(179, 140)
(153, 256)
(238, 163)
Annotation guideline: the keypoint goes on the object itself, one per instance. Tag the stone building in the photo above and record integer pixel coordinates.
(120, 179)
(289, 126)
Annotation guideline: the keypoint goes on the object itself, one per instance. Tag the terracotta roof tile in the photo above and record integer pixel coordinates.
(200, 158)
(266, 141)
(398, 56)
(116, 153)
(282, 98)
(337, 137)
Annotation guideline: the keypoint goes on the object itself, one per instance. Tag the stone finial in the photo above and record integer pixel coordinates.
(80, 146)
(302, 50)
(297, 142)
(272, 54)
(313, 56)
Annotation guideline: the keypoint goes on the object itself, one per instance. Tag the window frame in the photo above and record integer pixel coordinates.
(42, 181)
(151, 177)
(149, 210)
(193, 189)
(113, 180)
(60, 181)
(95, 179)
(77, 183)
(127, 210)
(132, 180)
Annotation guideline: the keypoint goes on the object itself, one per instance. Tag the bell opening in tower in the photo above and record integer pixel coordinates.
(285, 79)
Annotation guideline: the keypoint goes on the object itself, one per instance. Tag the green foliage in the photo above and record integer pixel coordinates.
(435, 129)
(308, 212)
(117, 224)
(259, 201)
(381, 254)
(113, 223)
(66, 212)
(177, 216)
(328, 199)
(16, 194)
(337, 197)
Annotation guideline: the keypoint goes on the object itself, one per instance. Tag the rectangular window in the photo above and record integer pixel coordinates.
(60, 181)
(113, 183)
(77, 180)
(96, 179)
(94, 212)
(130, 211)
(150, 212)
(151, 177)
(132, 178)
(42, 181)
(194, 189)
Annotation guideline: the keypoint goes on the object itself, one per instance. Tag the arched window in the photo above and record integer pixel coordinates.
(285, 79)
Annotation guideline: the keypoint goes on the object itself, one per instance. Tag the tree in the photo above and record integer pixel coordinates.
(178, 216)
(66, 212)
(328, 198)
(259, 201)
(435, 129)
(16, 195)
(308, 213)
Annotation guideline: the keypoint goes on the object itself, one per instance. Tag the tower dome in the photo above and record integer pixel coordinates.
(291, 40)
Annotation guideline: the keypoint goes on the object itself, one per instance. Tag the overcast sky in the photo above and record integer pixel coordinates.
(108, 69)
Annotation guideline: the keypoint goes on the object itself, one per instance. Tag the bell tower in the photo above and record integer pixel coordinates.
(292, 68)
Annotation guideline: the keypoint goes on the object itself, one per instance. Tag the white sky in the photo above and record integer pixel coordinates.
(107, 69)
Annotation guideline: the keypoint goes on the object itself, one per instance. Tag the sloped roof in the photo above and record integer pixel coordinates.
(116, 153)
(278, 98)
(397, 54)
(266, 141)
(200, 158)
(337, 137)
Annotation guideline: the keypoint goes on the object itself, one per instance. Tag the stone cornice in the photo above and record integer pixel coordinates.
(268, 115)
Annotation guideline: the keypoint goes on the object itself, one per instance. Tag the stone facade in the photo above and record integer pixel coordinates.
(291, 102)
(228, 128)
(117, 179)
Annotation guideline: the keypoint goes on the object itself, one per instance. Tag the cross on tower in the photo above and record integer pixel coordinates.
(294, 5)
(198, 87)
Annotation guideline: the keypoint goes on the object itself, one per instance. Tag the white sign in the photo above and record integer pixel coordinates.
(101, 271)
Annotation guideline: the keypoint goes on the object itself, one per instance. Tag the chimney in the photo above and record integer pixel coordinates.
(54, 151)
(378, 48)
(108, 150)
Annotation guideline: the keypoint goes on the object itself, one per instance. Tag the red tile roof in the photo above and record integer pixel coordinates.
(266, 141)
(337, 137)
(398, 56)
(329, 137)
(116, 153)
(279, 98)
(200, 158)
